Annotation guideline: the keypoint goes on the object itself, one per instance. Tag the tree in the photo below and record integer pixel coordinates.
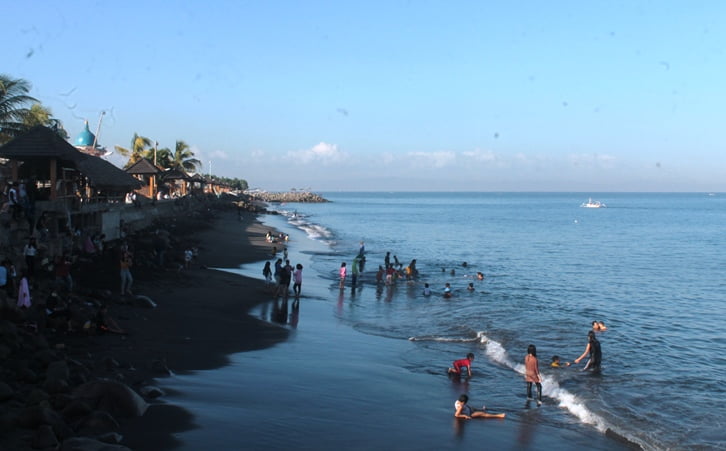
(140, 146)
(183, 158)
(13, 111)
(41, 115)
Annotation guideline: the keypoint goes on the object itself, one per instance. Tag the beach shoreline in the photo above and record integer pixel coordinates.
(199, 319)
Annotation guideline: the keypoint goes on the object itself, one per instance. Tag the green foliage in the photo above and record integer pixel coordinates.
(234, 183)
(15, 116)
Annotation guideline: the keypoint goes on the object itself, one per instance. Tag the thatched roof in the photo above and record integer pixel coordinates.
(143, 167)
(42, 143)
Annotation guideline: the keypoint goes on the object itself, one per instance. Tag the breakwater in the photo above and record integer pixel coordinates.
(290, 196)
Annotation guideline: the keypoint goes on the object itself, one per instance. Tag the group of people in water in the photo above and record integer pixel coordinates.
(532, 375)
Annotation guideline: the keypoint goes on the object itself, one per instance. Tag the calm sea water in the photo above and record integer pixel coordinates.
(651, 266)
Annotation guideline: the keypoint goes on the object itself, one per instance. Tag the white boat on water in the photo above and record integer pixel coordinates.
(593, 204)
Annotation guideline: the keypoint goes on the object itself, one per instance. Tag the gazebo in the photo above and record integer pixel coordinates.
(145, 171)
(61, 171)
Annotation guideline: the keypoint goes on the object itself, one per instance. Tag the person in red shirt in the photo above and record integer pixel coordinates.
(460, 364)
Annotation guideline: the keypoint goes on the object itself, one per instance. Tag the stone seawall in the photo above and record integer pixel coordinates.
(291, 196)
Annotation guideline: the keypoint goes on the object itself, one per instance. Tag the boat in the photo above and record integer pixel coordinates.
(593, 204)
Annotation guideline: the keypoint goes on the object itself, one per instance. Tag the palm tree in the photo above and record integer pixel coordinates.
(41, 115)
(140, 147)
(163, 157)
(183, 158)
(13, 99)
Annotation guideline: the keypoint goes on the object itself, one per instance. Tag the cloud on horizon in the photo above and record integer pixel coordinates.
(323, 152)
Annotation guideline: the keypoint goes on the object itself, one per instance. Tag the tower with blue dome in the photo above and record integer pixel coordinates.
(86, 142)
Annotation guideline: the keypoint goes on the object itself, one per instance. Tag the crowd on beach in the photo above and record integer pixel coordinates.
(392, 271)
(59, 286)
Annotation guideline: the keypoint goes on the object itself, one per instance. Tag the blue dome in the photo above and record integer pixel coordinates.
(85, 138)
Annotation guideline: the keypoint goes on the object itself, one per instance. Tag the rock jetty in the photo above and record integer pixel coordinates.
(290, 196)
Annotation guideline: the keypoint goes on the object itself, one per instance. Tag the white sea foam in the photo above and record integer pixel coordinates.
(550, 388)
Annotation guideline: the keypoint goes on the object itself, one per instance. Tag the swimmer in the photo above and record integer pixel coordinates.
(465, 412)
(470, 287)
(447, 290)
(458, 365)
(556, 362)
(593, 349)
(602, 325)
(480, 275)
(426, 290)
(598, 326)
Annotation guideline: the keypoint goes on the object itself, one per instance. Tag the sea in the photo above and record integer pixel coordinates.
(365, 365)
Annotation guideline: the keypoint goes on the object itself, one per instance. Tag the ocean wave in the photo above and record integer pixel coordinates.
(496, 352)
(480, 337)
(312, 230)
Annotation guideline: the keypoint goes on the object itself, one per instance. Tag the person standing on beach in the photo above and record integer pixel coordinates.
(531, 373)
(125, 272)
(465, 412)
(342, 272)
(593, 349)
(356, 271)
(278, 271)
(297, 282)
(267, 273)
(387, 260)
(30, 250)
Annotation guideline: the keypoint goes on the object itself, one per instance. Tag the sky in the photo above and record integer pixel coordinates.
(570, 96)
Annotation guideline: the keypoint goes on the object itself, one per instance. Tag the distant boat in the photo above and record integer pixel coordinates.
(593, 204)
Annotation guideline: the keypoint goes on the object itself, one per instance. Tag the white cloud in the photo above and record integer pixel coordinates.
(486, 156)
(323, 153)
(219, 155)
(435, 159)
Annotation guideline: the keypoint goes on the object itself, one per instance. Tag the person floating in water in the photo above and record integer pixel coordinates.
(465, 412)
(531, 373)
(556, 362)
(593, 349)
(470, 287)
(480, 275)
(460, 364)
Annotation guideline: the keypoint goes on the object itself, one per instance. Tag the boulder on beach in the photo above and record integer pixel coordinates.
(116, 398)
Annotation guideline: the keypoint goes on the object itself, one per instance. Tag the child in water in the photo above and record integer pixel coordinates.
(465, 412)
(460, 364)
(556, 362)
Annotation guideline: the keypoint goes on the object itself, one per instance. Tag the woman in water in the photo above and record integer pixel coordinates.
(467, 413)
(593, 349)
(531, 373)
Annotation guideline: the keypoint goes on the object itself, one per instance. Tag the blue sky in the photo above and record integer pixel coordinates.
(416, 95)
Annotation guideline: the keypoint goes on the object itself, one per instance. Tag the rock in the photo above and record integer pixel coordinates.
(55, 386)
(151, 392)
(58, 370)
(160, 367)
(114, 397)
(89, 444)
(110, 437)
(44, 438)
(36, 396)
(27, 375)
(6, 392)
(144, 301)
(44, 357)
(32, 417)
(98, 422)
(76, 409)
